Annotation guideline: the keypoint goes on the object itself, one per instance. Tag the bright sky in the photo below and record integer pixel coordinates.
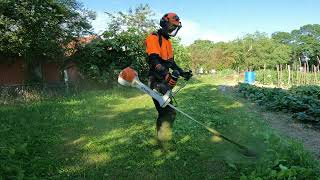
(220, 20)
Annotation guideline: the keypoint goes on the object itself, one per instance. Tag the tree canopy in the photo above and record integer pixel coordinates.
(41, 28)
(255, 50)
(121, 45)
(305, 40)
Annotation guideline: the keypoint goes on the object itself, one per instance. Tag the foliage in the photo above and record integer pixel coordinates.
(255, 50)
(181, 55)
(39, 29)
(310, 90)
(260, 50)
(141, 18)
(102, 60)
(200, 51)
(222, 56)
(283, 162)
(305, 108)
(268, 76)
(121, 45)
(251, 51)
(306, 39)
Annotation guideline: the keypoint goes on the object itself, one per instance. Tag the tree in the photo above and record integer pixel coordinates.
(141, 19)
(122, 45)
(255, 50)
(282, 37)
(181, 55)
(200, 52)
(305, 40)
(251, 51)
(221, 56)
(41, 29)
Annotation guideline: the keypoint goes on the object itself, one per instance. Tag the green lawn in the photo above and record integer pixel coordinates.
(110, 135)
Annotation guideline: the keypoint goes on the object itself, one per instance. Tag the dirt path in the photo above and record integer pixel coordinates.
(284, 124)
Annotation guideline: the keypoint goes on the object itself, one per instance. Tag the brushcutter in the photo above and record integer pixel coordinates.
(129, 77)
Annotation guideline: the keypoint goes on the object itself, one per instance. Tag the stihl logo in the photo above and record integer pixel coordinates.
(146, 90)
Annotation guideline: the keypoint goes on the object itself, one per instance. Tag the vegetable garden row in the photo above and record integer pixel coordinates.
(302, 101)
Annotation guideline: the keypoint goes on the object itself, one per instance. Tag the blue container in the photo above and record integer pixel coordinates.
(249, 77)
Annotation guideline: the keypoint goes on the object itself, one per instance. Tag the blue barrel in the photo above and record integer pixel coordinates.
(249, 77)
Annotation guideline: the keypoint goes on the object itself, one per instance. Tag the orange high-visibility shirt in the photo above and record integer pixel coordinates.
(153, 47)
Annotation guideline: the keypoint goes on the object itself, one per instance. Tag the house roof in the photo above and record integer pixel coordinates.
(72, 46)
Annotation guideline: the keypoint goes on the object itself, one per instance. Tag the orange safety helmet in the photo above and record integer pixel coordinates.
(170, 23)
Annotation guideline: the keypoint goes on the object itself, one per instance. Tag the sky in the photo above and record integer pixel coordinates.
(219, 20)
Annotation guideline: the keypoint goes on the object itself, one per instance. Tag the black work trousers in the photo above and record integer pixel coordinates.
(165, 114)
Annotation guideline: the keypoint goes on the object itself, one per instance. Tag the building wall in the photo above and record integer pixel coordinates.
(12, 72)
(51, 73)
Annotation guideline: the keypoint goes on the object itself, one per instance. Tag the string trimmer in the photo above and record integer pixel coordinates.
(129, 77)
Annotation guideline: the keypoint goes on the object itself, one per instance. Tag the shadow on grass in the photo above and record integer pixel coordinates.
(110, 135)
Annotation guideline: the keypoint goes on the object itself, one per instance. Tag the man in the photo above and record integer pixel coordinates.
(161, 59)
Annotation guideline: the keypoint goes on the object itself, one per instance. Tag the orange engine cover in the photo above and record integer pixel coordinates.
(128, 74)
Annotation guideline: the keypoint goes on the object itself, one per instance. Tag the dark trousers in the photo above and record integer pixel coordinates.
(166, 114)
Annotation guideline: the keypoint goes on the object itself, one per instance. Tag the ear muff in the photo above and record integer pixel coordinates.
(164, 21)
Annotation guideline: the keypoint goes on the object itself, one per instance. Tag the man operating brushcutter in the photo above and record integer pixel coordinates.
(161, 60)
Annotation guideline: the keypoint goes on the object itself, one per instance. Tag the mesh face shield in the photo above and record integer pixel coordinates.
(173, 29)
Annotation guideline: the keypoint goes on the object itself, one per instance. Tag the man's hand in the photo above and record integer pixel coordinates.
(160, 68)
(187, 75)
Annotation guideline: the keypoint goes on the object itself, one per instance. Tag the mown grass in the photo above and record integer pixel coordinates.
(110, 135)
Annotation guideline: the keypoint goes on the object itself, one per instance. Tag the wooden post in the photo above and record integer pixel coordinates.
(299, 74)
(296, 80)
(305, 73)
(315, 80)
(318, 70)
(238, 74)
(264, 73)
(292, 74)
(278, 74)
(289, 75)
(296, 76)
(318, 67)
(281, 75)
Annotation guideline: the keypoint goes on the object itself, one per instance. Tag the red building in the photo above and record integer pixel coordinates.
(13, 71)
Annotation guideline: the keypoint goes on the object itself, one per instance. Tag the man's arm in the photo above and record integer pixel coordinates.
(154, 62)
(176, 67)
(186, 74)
